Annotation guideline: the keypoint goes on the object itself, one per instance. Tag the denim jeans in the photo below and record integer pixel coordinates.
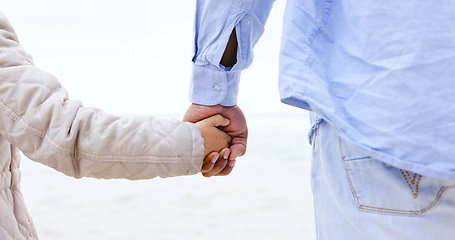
(358, 197)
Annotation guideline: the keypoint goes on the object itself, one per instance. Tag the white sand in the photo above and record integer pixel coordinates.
(267, 196)
(270, 201)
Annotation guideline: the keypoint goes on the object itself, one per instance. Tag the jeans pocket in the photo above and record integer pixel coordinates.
(382, 188)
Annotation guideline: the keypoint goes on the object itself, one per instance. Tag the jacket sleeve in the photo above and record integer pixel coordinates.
(211, 82)
(37, 117)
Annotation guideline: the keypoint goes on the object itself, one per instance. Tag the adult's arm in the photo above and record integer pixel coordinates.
(225, 34)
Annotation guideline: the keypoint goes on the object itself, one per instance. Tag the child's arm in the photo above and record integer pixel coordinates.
(37, 117)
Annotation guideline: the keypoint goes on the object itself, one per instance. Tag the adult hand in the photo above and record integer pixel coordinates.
(216, 162)
(237, 129)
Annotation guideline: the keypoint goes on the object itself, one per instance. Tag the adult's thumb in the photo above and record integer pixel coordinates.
(218, 121)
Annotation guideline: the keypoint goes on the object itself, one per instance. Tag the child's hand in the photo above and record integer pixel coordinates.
(214, 139)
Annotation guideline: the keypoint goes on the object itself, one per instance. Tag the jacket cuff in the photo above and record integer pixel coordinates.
(211, 87)
(198, 150)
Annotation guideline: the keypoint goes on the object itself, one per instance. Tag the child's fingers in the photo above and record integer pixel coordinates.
(209, 162)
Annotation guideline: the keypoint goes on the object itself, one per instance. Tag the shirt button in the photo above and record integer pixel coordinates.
(217, 87)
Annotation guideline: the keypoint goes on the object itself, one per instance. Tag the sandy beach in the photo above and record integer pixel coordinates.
(268, 196)
(271, 201)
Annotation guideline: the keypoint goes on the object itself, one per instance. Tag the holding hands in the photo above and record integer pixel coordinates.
(225, 135)
(214, 139)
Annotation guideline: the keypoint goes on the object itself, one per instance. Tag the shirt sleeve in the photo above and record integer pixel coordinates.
(212, 83)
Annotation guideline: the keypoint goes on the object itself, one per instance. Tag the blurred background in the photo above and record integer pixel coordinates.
(134, 57)
(136, 53)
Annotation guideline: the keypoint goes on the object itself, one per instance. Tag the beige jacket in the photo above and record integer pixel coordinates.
(37, 118)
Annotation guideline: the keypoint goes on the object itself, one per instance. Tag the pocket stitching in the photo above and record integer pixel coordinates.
(394, 211)
(386, 210)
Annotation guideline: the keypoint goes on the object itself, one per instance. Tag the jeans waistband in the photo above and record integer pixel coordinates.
(316, 120)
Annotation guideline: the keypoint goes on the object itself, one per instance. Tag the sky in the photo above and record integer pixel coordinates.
(134, 57)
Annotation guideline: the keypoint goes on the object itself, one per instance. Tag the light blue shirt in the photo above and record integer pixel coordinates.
(381, 72)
